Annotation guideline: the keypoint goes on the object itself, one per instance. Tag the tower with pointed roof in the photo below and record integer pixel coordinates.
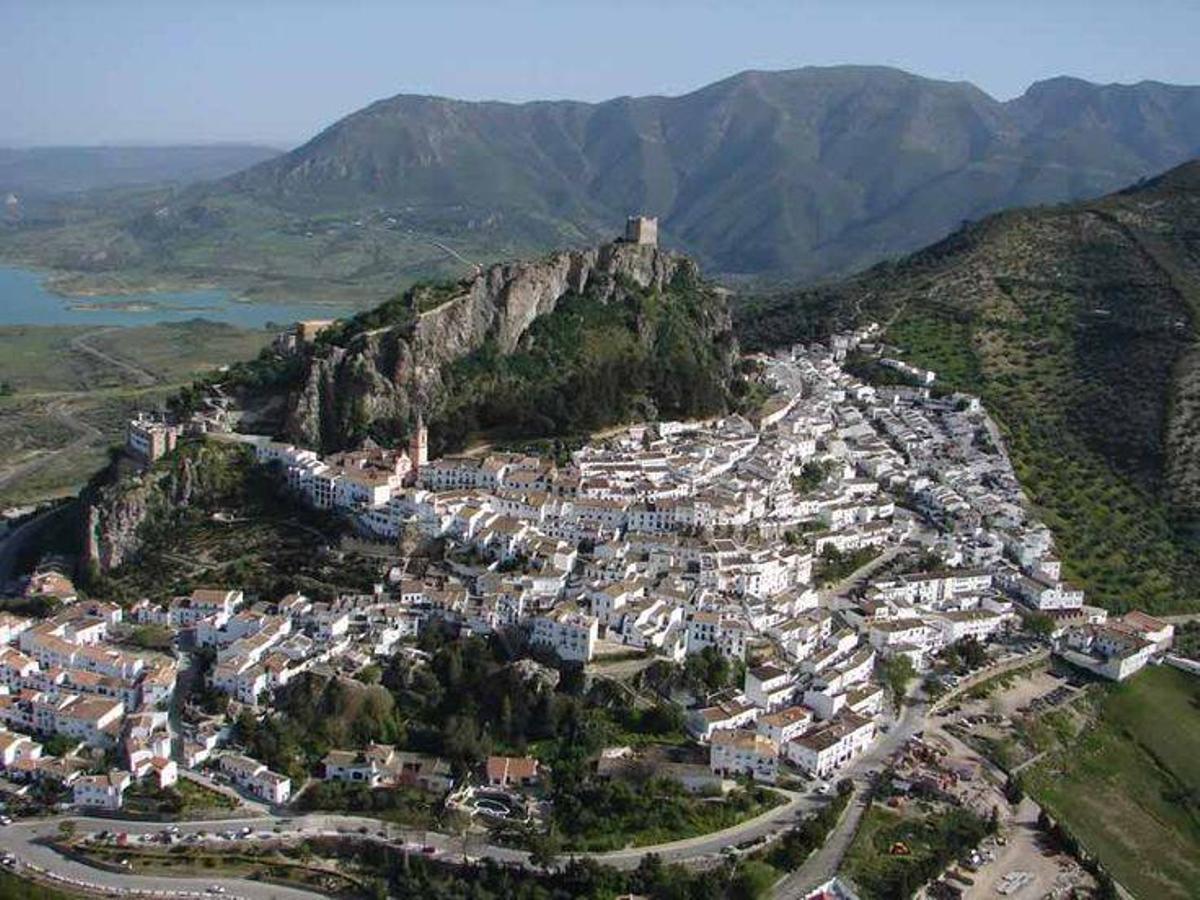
(418, 445)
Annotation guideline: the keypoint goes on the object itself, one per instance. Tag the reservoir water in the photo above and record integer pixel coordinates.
(24, 300)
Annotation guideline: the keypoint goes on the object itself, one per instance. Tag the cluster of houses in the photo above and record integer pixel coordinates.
(66, 679)
(671, 538)
(1115, 648)
(693, 536)
(62, 678)
(683, 525)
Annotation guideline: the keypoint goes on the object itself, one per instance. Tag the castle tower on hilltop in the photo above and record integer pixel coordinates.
(642, 230)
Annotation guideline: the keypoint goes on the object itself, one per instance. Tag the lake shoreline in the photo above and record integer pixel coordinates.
(34, 296)
(78, 284)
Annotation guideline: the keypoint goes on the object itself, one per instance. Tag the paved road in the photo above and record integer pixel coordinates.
(824, 863)
(699, 851)
(711, 846)
(19, 839)
(85, 436)
(60, 411)
(185, 675)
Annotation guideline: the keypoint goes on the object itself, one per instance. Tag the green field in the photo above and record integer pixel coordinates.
(74, 387)
(1129, 786)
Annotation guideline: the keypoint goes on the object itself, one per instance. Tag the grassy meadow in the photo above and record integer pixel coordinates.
(1128, 786)
(71, 388)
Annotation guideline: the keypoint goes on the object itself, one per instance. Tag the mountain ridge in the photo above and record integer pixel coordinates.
(798, 174)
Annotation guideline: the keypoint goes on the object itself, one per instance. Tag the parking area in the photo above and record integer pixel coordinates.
(1021, 866)
(1034, 691)
(171, 835)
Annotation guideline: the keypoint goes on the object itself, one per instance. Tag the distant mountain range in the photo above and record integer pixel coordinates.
(63, 170)
(798, 174)
(1079, 326)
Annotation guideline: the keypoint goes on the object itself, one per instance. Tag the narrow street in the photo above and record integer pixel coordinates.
(825, 861)
(184, 681)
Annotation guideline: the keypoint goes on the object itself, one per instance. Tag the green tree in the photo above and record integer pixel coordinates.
(1038, 625)
(898, 673)
(369, 674)
(545, 848)
(752, 880)
(1013, 792)
(971, 652)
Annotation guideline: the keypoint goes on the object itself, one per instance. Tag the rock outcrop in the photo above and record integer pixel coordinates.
(386, 373)
(112, 527)
(123, 503)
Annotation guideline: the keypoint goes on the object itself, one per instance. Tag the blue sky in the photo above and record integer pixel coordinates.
(161, 71)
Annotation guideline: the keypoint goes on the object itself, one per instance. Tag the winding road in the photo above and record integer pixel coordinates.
(85, 435)
(37, 859)
(58, 408)
(21, 840)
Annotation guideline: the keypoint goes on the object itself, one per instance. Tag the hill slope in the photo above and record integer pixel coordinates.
(1078, 327)
(60, 170)
(574, 341)
(801, 173)
(557, 346)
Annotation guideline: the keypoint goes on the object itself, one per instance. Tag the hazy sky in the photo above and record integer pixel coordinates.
(159, 71)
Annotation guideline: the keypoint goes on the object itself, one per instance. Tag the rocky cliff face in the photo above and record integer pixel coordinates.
(385, 374)
(122, 505)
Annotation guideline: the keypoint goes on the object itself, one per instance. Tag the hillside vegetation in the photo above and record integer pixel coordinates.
(795, 174)
(1077, 326)
(591, 364)
(551, 347)
(207, 516)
